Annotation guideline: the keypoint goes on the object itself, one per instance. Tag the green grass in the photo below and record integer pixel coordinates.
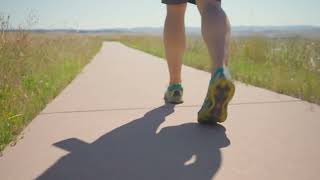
(286, 65)
(34, 68)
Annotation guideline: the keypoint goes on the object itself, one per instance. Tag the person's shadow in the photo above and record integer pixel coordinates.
(136, 151)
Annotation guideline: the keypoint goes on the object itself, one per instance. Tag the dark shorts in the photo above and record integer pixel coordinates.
(179, 1)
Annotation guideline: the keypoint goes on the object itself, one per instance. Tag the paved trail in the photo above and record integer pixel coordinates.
(110, 123)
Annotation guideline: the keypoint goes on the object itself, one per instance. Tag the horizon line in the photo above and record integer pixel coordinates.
(161, 27)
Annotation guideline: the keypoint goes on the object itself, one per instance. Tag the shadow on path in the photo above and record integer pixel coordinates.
(135, 151)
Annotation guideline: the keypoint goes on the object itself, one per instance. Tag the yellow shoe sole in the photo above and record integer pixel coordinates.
(220, 94)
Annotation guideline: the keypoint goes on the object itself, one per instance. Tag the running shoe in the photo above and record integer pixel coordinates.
(220, 92)
(174, 93)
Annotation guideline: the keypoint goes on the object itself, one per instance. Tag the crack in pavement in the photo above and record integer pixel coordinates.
(146, 108)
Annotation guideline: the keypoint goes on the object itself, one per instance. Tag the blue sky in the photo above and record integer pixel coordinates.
(91, 14)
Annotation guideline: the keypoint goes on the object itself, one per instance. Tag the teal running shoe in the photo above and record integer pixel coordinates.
(174, 93)
(220, 92)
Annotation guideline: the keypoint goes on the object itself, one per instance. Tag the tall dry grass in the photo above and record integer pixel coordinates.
(34, 68)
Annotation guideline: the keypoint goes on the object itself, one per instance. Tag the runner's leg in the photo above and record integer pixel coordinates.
(215, 31)
(174, 40)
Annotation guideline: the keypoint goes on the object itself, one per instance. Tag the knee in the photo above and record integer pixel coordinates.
(176, 10)
(213, 14)
(213, 8)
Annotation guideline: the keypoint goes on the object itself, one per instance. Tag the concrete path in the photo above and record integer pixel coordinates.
(110, 123)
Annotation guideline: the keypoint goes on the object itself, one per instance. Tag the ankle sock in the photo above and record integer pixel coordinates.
(175, 86)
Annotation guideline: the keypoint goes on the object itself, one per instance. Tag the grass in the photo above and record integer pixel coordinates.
(34, 68)
(286, 65)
